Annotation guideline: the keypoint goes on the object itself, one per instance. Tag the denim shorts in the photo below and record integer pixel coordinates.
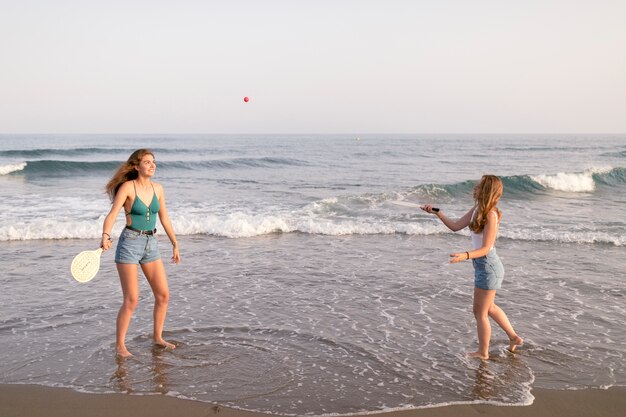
(136, 248)
(488, 271)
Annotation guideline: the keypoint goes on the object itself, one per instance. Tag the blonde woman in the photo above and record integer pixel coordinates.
(483, 220)
(132, 188)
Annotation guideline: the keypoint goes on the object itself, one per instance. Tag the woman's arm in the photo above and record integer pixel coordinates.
(109, 220)
(164, 217)
(489, 239)
(454, 225)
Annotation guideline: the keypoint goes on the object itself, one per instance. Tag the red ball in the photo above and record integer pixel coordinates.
(246, 99)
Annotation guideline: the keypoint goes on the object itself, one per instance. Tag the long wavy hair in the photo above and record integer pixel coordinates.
(487, 193)
(126, 172)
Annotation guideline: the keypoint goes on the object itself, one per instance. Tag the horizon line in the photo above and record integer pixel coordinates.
(312, 133)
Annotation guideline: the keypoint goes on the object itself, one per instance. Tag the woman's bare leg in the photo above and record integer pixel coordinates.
(130, 293)
(155, 274)
(499, 316)
(483, 300)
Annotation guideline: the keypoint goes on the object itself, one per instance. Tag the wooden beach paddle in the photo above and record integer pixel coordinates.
(85, 265)
(409, 204)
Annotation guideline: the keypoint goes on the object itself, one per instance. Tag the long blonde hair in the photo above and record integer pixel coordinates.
(487, 193)
(126, 172)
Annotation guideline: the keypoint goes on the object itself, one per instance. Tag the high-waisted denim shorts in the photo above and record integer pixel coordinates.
(136, 248)
(488, 271)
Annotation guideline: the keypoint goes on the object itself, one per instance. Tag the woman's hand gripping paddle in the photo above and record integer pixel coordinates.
(85, 265)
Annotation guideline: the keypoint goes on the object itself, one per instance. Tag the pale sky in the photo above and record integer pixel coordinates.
(438, 66)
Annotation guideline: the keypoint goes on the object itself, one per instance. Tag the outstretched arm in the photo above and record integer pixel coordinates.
(454, 225)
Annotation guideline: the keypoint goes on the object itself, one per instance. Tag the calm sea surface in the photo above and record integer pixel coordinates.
(303, 290)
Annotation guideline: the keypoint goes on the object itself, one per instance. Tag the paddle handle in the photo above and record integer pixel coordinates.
(435, 209)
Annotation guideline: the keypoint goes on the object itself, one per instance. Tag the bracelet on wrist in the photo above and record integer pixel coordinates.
(467, 253)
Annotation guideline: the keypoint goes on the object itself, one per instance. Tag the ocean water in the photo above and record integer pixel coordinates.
(303, 290)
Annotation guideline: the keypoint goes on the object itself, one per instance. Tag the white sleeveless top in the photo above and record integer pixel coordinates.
(477, 238)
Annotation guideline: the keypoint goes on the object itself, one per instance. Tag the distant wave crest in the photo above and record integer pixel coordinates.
(621, 154)
(57, 167)
(67, 167)
(7, 169)
(616, 176)
(582, 182)
(46, 153)
(121, 153)
(233, 163)
(573, 182)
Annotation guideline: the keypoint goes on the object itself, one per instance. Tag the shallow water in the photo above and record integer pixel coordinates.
(296, 324)
(304, 291)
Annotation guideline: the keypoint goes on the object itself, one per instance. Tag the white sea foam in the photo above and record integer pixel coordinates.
(238, 225)
(233, 225)
(52, 229)
(581, 182)
(243, 225)
(548, 235)
(7, 169)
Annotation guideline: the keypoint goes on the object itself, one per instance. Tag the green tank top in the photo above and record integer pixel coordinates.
(144, 217)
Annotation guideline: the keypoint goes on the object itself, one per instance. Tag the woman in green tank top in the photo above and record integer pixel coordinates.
(132, 188)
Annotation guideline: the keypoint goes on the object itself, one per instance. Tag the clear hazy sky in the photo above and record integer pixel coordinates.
(386, 66)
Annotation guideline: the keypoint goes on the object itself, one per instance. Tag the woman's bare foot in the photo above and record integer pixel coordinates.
(478, 355)
(164, 344)
(122, 352)
(514, 343)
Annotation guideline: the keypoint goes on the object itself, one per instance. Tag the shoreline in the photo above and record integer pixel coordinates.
(37, 400)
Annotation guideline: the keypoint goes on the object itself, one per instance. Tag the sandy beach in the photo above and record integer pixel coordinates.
(34, 401)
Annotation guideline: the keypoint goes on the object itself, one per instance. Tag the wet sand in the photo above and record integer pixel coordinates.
(39, 401)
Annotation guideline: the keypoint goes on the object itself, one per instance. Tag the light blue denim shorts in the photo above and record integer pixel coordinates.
(136, 248)
(488, 271)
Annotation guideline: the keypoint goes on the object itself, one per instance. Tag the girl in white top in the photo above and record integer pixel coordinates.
(483, 220)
